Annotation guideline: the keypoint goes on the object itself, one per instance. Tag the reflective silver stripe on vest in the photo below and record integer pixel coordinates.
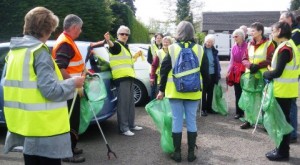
(296, 67)
(122, 57)
(264, 56)
(286, 80)
(21, 84)
(121, 66)
(258, 57)
(35, 107)
(75, 74)
(77, 63)
(26, 69)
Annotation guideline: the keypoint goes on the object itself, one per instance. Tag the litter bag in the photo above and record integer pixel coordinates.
(95, 94)
(274, 119)
(160, 112)
(250, 100)
(219, 103)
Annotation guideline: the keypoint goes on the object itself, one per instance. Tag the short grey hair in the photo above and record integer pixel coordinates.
(239, 32)
(210, 37)
(185, 31)
(71, 20)
(288, 14)
(123, 29)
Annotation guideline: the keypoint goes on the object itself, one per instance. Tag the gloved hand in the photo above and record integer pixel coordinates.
(253, 68)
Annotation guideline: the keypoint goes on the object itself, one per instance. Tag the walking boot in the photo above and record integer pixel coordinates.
(191, 145)
(176, 156)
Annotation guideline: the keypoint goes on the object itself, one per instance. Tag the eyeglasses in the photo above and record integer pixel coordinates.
(124, 34)
(235, 36)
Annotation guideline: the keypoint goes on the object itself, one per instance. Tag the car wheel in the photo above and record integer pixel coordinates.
(140, 93)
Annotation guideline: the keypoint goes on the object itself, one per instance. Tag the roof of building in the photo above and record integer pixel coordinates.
(228, 21)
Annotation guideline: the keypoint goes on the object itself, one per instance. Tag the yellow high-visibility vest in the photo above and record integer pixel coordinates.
(26, 110)
(258, 55)
(170, 91)
(121, 64)
(286, 86)
(161, 54)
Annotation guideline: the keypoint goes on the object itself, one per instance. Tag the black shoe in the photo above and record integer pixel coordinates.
(77, 151)
(203, 113)
(275, 156)
(212, 112)
(293, 140)
(245, 125)
(74, 159)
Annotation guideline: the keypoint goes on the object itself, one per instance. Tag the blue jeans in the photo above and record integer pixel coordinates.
(294, 118)
(187, 107)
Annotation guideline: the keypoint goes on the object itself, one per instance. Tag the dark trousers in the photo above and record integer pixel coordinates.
(207, 93)
(39, 160)
(238, 93)
(285, 104)
(74, 121)
(154, 89)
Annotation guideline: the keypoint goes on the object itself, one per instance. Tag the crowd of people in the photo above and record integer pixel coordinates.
(55, 82)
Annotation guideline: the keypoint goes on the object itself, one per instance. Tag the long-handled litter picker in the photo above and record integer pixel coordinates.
(107, 146)
(261, 107)
(95, 117)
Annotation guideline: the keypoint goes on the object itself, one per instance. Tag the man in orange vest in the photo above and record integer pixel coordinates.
(70, 62)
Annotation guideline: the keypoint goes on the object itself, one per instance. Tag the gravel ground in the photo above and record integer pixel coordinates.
(220, 141)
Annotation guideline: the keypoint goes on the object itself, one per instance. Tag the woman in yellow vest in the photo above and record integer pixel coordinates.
(121, 64)
(155, 46)
(258, 55)
(35, 94)
(182, 103)
(284, 73)
(155, 67)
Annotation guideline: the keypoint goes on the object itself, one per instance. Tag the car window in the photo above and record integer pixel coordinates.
(3, 53)
(99, 60)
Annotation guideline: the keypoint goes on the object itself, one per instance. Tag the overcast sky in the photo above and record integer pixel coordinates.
(151, 8)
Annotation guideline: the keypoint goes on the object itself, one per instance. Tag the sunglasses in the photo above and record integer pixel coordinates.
(124, 34)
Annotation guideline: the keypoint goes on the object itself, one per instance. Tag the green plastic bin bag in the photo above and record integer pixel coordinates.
(274, 119)
(250, 100)
(219, 103)
(160, 112)
(95, 94)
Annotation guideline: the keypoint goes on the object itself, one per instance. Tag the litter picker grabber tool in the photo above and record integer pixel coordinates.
(261, 107)
(109, 151)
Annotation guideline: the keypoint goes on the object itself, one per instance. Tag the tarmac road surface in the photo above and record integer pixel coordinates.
(220, 142)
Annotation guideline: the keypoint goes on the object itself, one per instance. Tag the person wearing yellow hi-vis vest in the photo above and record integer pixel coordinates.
(258, 55)
(289, 18)
(121, 64)
(35, 94)
(284, 74)
(182, 103)
(155, 66)
(155, 46)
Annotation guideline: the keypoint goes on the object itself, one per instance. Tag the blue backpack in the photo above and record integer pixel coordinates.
(186, 71)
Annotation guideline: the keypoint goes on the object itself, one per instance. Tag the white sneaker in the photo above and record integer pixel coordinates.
(136, 128)
(128, 133)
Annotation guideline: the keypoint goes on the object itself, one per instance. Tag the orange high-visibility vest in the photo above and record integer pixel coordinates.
(76, 64)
